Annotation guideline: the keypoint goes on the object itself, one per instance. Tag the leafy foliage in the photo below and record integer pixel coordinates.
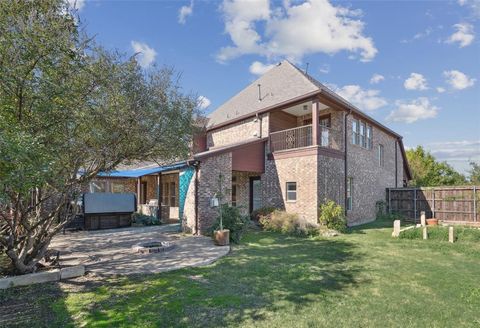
(428, 172)
(69, 110)
(474, 173)
(288, 223)
(230, 218)
(146, 220)
(332, 216)
(261, 212)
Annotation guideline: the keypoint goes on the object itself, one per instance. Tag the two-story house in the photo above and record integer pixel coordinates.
(285, 141)
(288, 141)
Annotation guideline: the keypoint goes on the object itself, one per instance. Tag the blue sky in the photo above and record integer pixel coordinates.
(414, 66)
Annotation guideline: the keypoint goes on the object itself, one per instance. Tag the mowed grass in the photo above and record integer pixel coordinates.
(364, 278)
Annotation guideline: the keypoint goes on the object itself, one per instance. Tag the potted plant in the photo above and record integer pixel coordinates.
(221, 236)
(432, 222)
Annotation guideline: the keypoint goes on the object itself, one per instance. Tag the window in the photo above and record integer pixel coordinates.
(355, 132)
(118, 187)
(380, 155)
(362, 134)
(234, 191)
(291, 191)
(349, 193)
(97, 186)
(369, 137)
(173, 195)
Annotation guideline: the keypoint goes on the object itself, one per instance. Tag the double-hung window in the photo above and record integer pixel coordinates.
(369, 142)
(380, 155)
(291, 191)
(363, 128)
(355, 132)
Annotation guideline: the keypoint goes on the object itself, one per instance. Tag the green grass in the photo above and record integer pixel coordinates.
(364, 278)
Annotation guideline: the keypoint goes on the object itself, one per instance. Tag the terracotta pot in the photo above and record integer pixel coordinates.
(432, 222)
(221, 237)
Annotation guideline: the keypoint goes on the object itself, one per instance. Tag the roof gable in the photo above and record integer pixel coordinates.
(281, 83)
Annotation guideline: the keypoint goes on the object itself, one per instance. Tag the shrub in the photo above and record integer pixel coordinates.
(146, 220)
(261, 212)
(288, 223)
(332, 216)
(232, 220)
(380, 209)
(440, 233)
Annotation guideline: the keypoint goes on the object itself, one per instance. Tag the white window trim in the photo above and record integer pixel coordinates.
(291, 191)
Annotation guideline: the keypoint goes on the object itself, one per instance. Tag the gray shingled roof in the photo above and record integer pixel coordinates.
(281, 83)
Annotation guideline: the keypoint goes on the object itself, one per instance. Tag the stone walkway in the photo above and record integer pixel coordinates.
(108, 252)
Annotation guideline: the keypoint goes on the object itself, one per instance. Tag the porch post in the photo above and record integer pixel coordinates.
(315, 122)
(160, 196)
(139, 191)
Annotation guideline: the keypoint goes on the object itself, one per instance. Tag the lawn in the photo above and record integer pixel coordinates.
(364, 278)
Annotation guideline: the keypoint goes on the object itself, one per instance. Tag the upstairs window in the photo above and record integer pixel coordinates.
(291, 191)
(369, 141)
(355, 132)
(380, 155)
(363, 128)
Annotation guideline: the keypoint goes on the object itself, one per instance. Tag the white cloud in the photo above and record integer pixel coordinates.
(259, 68)
(325, 69)
(76, 4)
(203, 102)
(376, 78)
(145, 54)
(464, 35)
(368, 100)
(409, 112)
(293, 30)
(416, 81)
(473, 5)
(440, 90)
(184, 12)
(459, 150)
(458, 80)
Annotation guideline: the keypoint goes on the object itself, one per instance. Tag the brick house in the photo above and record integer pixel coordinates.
(286, 141)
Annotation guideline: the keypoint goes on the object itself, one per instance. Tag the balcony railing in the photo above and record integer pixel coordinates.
(302, 137)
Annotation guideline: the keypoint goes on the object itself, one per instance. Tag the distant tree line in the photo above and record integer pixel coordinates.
(427, 171)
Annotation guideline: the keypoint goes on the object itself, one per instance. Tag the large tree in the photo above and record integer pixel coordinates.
(68, 110)
(428, 172)
(474, 173)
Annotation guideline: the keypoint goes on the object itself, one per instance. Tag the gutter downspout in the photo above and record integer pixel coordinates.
(196, 165)
(345, 138)
(396, 164)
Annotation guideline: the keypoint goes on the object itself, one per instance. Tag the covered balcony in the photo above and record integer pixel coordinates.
(304, 125)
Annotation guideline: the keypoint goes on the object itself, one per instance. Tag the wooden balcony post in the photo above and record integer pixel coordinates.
(315, 122)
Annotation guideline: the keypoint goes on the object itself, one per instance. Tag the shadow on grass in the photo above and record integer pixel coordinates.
(31, 306)
(377, 224)
(268, 273)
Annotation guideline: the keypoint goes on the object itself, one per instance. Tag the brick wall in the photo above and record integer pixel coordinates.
(303, 171)
(188, 222)
(369, 178)
(243, 190)
(210, 168)
(331, 180)
(237, 132)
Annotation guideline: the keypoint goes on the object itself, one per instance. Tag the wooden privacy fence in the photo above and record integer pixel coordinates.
(449, 204)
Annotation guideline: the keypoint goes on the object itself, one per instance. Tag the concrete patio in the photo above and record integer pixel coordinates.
(109, 252)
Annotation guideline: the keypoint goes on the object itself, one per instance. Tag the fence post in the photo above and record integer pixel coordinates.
(474, 204)
(451, 236)
(415, 205)
(423, 218)
(433, 204)
(396, 228)
(425, 233)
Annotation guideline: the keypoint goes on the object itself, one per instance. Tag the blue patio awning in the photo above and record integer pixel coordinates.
(141, 172)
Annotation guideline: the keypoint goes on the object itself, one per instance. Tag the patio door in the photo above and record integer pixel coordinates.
(255, 193)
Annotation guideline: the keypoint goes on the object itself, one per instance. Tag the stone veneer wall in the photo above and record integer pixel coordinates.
(303, 171)
(237, 132)
(370, 180)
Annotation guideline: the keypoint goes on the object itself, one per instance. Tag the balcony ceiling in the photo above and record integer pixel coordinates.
(299, 110)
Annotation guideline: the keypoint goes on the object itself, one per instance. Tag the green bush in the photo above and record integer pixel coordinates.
(232, 220)
(288, 223)
(440, 233)
(145, 220)
(261, 212)
(332, 216)
(380, 209)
